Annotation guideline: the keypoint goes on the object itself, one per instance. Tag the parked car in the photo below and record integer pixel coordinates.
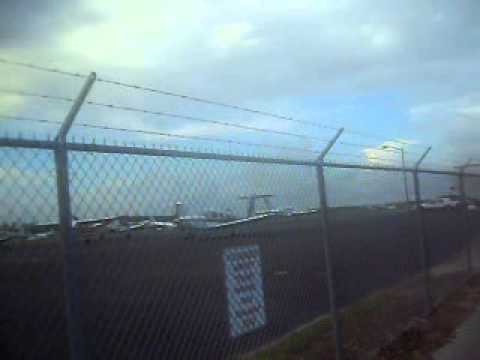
(472, 205)
(432, 205)
(451, 202)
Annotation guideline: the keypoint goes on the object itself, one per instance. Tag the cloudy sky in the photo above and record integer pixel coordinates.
(385, 70)
(395, 73)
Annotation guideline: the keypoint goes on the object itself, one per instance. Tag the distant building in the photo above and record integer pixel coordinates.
(252, 202)
(218, 216)
(43, 228)
(179, 210)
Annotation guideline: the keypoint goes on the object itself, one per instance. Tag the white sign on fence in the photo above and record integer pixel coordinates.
(243, 274)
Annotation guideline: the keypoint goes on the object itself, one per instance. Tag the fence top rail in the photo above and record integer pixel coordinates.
(133, 150)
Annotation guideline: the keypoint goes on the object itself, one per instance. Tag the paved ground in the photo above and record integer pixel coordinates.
(465, 345)
(151, 294)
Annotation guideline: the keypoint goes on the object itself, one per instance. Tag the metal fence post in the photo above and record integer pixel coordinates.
(463, 197)
(465, 212)
(424, 249)
(327, 248)
(75, 338)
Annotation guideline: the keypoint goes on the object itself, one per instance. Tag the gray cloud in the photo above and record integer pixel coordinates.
(36, 22)
(454, 123)
(356, 47)
(412, 46)
(424, 50)
(427, 51)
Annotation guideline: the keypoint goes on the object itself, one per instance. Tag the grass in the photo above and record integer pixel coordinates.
(422, 340)
(298, 343)
(371, 323)
(366, 325)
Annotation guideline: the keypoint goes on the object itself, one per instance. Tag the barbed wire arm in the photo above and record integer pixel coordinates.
(424, 155)
(329, 145)
(72, 113)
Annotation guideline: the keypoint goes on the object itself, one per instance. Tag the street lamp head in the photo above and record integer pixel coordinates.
(386, 146)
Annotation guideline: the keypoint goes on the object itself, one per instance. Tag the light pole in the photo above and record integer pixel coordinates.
(402, 151)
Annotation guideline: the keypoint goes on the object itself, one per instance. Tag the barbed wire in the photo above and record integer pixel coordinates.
(166, 114)
(244, 127)
(24, 118)
(240, 108)
(438, 164)
(448, 159)
(364, 147)
(192, 118)
(160, 133)
(216, 122)
(380, 138)
(41, 68)
(419, 154)
(166, 93)
(36, 95)
(374, 148)
(200, 100)
(367, 158)
(209, 121)
(371, 147)
(160, 113)
(217, 103)
(190, 137)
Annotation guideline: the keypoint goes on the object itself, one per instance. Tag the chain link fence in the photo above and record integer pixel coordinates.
(190, 269)
(472, 191)
(446, 233)
(376, 256)
(31, 267)
(181, 257)
(128, 252)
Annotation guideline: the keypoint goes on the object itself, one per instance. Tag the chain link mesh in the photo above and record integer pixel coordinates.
(472, 193)
(445, 232)
(187, 267)
(179, 258)
(32, 323)
(182, 258)
(375, 255)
